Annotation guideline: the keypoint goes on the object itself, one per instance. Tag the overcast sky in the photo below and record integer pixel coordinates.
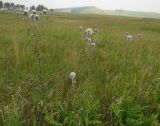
(139, 5)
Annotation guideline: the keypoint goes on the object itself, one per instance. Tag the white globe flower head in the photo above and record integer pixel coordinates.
(44, 11)
(139, 36)
(37, 17)
(72, 75)
(88, 32)
(96, 30)
(127, 33)
(80, 28)
(25, 13)
(93, 44)
(128, 37)
(31, 17)
(87, 39)
(34, 12)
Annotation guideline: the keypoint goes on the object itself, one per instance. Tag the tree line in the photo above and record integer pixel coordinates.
(13, 6)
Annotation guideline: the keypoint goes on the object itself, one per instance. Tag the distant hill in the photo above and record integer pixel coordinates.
(95, 10)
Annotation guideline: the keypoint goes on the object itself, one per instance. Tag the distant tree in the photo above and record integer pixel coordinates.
(1, 4)
(12, 6)
(40, 8)
(32, 7)
(7, 6)
(22, 7)
(52, 10)
(17, 7)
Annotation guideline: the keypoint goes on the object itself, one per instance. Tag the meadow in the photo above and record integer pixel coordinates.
(117, 83)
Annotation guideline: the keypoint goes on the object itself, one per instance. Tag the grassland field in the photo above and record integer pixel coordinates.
(117, 83)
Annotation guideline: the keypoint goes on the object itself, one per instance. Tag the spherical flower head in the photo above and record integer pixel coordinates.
(88, 31)
(80, 29)
(96, 30)
(127, 33)
(44, 11)
(72, 76)
(87, 39)
(36, 17)
(25, 13)
(34, 12)
(31, 16)
(93, 44)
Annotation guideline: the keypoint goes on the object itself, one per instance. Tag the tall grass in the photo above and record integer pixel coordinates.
(118, 84)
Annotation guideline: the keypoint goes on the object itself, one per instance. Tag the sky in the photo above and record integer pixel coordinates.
(134, 5)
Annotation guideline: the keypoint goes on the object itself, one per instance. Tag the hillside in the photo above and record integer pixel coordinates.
(95, 10)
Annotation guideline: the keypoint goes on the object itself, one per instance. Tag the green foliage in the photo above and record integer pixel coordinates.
(77, 112)
(127, 113)
(10, 114)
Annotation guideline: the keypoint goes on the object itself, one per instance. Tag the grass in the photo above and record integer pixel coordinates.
(118, 84)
